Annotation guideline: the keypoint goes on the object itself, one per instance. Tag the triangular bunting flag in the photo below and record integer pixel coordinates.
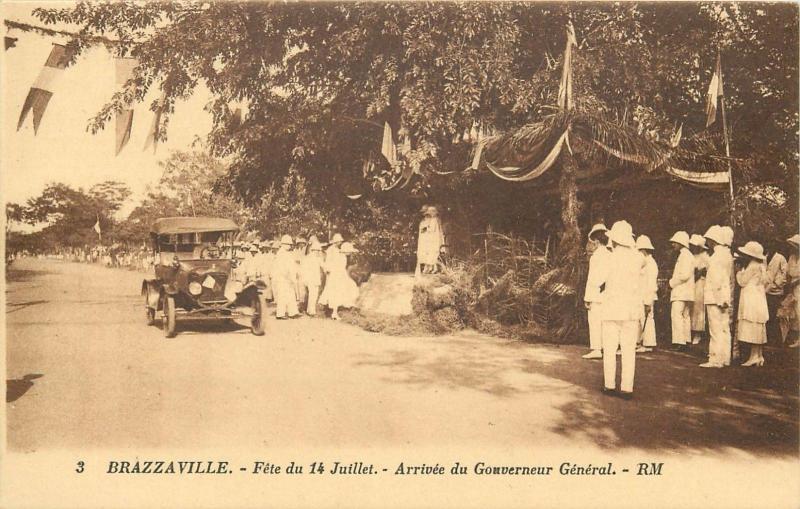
(153, 134)
(10, 42)
(388, 148)
(42, 89)
(565, 88)
(714, 93)
(124, 118)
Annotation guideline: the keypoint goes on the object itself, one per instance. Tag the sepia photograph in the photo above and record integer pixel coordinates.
(368, 254)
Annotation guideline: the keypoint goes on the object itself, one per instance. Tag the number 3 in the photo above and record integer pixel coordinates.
(80, 467)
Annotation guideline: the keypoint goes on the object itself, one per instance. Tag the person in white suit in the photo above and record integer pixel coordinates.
(623, 308)
(593, 297)
(717, 297)
(311, 276)
(682, 291)
(727, 241)
(284, 280)
(697, 245)
(647, 338)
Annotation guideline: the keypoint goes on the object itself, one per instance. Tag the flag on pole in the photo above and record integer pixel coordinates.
(565, 88)
(714, 93)
(153, 134)
(124, 118)
(42, 89)
(97, 228)
(388, 148)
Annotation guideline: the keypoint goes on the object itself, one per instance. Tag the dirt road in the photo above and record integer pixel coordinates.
(86, 373)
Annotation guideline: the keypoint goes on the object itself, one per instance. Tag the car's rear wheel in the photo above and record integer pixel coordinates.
(168, 318)
(258, 324)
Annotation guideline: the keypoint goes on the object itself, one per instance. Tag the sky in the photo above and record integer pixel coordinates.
(63, 150)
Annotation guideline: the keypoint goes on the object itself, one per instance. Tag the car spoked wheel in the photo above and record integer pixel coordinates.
(258, 324)
(168, 317)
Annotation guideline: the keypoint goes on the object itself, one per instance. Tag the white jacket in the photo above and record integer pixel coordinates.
(718, 278)
(311, 270)
(682, 281)
(650, 281)
(623, 273)
(597, 268)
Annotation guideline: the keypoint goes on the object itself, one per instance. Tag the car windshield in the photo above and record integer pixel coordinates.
(197, 245)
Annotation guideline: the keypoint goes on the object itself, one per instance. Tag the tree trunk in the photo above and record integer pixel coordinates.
(570, 244)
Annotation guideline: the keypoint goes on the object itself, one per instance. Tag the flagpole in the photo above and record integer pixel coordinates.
(727, 145)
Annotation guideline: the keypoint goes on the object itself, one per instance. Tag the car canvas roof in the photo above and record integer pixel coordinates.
(169, 225)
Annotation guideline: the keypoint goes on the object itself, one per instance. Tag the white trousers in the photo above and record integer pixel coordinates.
(593, 315)
(285, 298)
(648, 336)
(622, 334)
(719, 331)
(313, 297)
(681, 315)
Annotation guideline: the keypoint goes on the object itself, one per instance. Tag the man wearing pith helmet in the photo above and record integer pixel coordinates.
(682, 291)
(592, 297)
(647, 338)
(284, 277)
(623, 308)
(717, 297)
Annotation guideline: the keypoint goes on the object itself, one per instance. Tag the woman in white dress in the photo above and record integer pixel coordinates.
(752, 314)
(429, 242)
(340, 289)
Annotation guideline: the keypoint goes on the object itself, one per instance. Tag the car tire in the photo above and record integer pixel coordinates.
(168, 319)
(258, 324)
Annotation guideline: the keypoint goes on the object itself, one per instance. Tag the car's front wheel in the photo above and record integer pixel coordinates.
(258, 323)
(168, 317)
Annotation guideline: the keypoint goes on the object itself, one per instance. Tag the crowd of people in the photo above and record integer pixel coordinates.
(114, 255)
(301, 274)
(731, 296)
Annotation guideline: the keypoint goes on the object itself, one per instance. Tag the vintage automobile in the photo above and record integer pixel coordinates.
(195, 275)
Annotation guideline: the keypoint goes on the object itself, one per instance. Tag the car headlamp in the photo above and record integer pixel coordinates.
(195, 288)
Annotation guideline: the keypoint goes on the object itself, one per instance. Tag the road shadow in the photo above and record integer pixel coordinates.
(16, 388)
(677, 405)
(23, 275)
(189, 326)
(463, 366)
